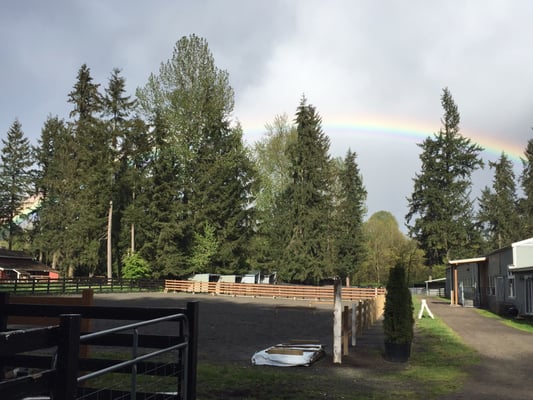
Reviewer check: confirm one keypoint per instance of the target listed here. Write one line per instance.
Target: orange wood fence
(318, 293)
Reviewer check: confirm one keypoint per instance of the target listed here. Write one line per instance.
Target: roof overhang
(467, 261)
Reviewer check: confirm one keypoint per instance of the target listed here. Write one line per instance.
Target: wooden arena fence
(316, 293)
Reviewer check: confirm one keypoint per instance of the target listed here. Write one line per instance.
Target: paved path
(506, 354)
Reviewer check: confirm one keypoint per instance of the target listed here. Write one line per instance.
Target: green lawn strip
(520, 324)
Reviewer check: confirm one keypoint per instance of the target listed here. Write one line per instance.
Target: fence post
(4, 301)
(337, 322)
(67, 358)
(192, 315)
(354, 324)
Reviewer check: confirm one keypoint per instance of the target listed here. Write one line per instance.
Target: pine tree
(440, 204)
(349, 211)
(526, 181)
(16, 179)
(56, 184)
(305, 207)
(93, 177)
(498, 207)
(129, 146)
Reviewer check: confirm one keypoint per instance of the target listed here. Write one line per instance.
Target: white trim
(467, 260)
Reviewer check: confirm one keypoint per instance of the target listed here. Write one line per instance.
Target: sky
(374, 70)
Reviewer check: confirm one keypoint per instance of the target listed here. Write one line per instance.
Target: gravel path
(506, 354)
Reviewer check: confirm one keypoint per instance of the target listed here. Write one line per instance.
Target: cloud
(359, 62)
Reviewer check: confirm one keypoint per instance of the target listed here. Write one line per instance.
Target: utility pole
(109, 222)
(133, 231)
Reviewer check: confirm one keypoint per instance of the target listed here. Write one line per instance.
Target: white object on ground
(289, 355)
(426, 308)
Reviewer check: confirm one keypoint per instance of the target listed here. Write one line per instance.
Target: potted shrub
(398, 317)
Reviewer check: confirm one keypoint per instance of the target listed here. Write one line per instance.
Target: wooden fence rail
(43, 286)
(318, 293)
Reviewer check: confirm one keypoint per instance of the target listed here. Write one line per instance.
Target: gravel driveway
(506, 354)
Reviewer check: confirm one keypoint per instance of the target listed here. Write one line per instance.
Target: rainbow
(373, 129)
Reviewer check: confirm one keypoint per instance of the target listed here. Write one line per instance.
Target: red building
(19, 265)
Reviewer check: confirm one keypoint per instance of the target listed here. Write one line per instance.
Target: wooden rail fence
(317, 293)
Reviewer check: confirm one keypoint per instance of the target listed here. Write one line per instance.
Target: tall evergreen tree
(440, 205)
(214, 174)
(305, 207)
(57, 186)
(16, 179)
(350, 210)
(129, 147)
(526, 181)
(498, 212)
(93, 176)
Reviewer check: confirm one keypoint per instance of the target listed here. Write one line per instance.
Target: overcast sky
(375, 70)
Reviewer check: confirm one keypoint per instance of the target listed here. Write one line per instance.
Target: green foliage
(304, 209)
(498, 207)
(205, 247)
(440, 204)
(525, 209)
(350, 208)
(200, 171)
(398, 319)
(270, 155)
(385, 246)
(135, 267)
(16, 180)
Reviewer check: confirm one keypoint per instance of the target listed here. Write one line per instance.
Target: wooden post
(337, 322)
(4, 301)
(192, 315)
(67, 358)
(354, 324)
(455, 286)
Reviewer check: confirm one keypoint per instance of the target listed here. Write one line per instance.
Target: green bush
(398, 317)
(135, 267)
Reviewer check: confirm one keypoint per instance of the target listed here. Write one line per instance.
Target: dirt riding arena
(232, 329)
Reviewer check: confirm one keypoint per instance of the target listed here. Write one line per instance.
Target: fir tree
(526, 181)
(93, 176)
(57, 186)
(16, 179)
(305, 207)
(440, 205)
(129, 145)
(349, 211)
(498, 207)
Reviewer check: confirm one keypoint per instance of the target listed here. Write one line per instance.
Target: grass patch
(520, 324)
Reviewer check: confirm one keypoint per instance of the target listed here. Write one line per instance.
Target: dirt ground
(232, 329)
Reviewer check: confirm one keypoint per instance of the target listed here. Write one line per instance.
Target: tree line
(166, 177)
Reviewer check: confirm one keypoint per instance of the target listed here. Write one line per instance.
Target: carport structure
(468, 281)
